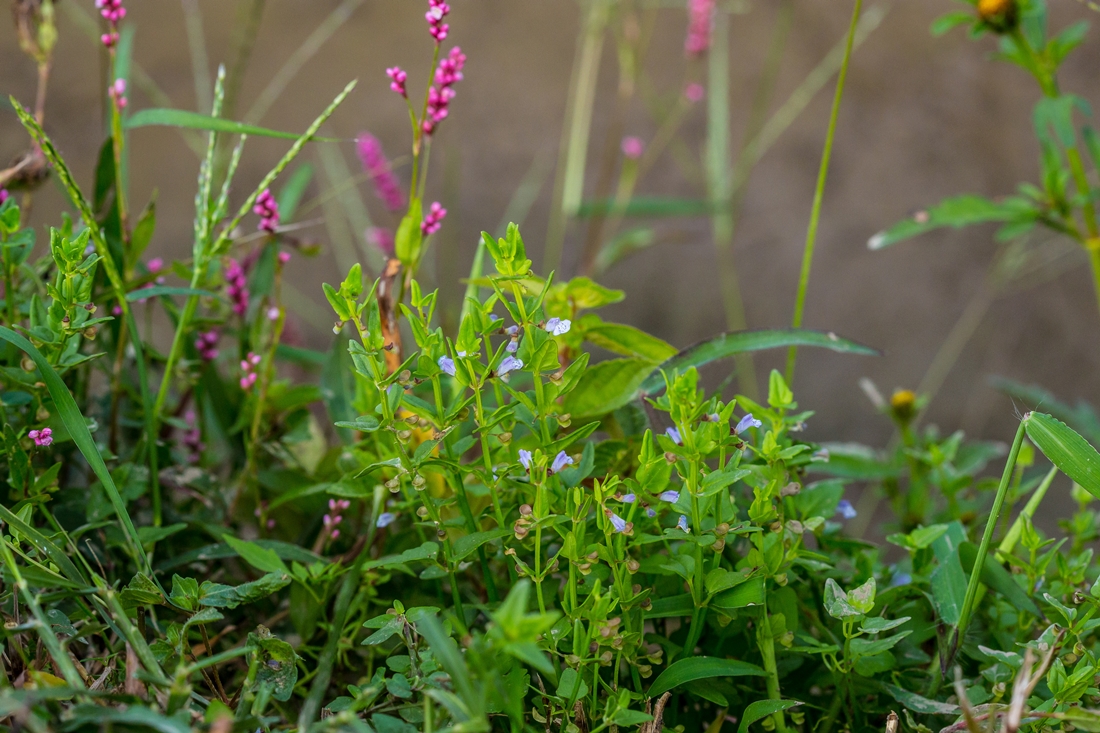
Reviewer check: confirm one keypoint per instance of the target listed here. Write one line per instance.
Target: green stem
(987, 538)
(766, 641)
(819, 192)
(1008, 544)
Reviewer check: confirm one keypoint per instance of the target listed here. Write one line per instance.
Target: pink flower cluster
(207, 345)
(633, 147)
(261, 511)
(237, 287)
(192, 439)
(437, 11)
(41, 438)
(3, 195)
(117, 92)
(382, 239)
(375, 164)
(447, 74)
(248, 366)
(335, 506)
(268, 210)
(433, 220)
(398, 78)
(700, 26)
(113, 12)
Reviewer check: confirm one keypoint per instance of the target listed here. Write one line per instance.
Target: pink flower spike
(268, 210)
(335, 533)
(397, 80)
(41, 438)
(4, 195)
(694, 92)
(377, 166)
(633, 147)
(433, 220)
(700, 26)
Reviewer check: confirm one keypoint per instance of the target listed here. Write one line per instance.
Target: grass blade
(690, 669)
(159, 117)
(1066, 449)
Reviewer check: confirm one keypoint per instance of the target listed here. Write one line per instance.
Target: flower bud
(633, 566)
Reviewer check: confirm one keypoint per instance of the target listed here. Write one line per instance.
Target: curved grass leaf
(1082, 417)
(762, 709)
(956, 212)
(82, 437)
(1066, 449)
(159, 117)
(158, 290)
(690, 669)
(739, 342)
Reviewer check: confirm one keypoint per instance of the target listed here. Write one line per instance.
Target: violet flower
(41, 438)
(558, 326)
(561, 460)
(845, 509)
(433, 220)
(446, 365)
(683, 523)
(268, 210)
(617, 522)
(509, 364)
(670, 496)
(628, 498)
(385, 519)
(377, 166)
(674, 435)
(525, 458)
(748, 421)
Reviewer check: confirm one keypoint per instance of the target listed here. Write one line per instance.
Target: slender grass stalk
(1008, 544)
(200, 60)
(819, 192)
(983, 548)
(569, 186)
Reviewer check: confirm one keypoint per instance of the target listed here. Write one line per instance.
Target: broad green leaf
(749, 593)
(956, 212)
(997, 578)
(863, 598)
(836, 601)
(586, 294)
(878, 625)
(762, 709)
(948, 590)
(426, 551)
(284, 550)
(1066, 449)
(258, 557)
(607, 386)
(277, 668)
(571, 686)
(739, 342)
(463, 546)
(629, 341)
(160, 117)
(78, 429)
(690, 669)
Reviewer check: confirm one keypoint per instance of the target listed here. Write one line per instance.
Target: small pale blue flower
(561, 460)
(674, 435)
(683, 523)
(512, 347)
(509, 364)
(617, 522)
(845, 509)
(650, 512)
(901, 579)
(512, 330)
(385, 519)
(670, 496)
(748, 421)
(494, 317)
(629, 498)
(447, 365)
(558, 326)
(462, 353)
(525, 458)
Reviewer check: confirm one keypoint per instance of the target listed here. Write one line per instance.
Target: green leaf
(159, 290)
(919, 704)
(739, 342)
(78, 428)
(1082, 417)
(409, 237)
(426, 551)
(870, 647)
(762, 709)
(957, 212)
(944, 23)
(749, 593)
(607, 386)
(1066, 449)
(948, 590)
(997, 578)
(879, 624)
(464, 546)
(277, 669)
(160, 117)
(571, 686)
(258, 557)
(290, 195)
(836, 601)
(690, 669)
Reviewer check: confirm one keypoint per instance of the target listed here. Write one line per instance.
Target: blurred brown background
(923, 118)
